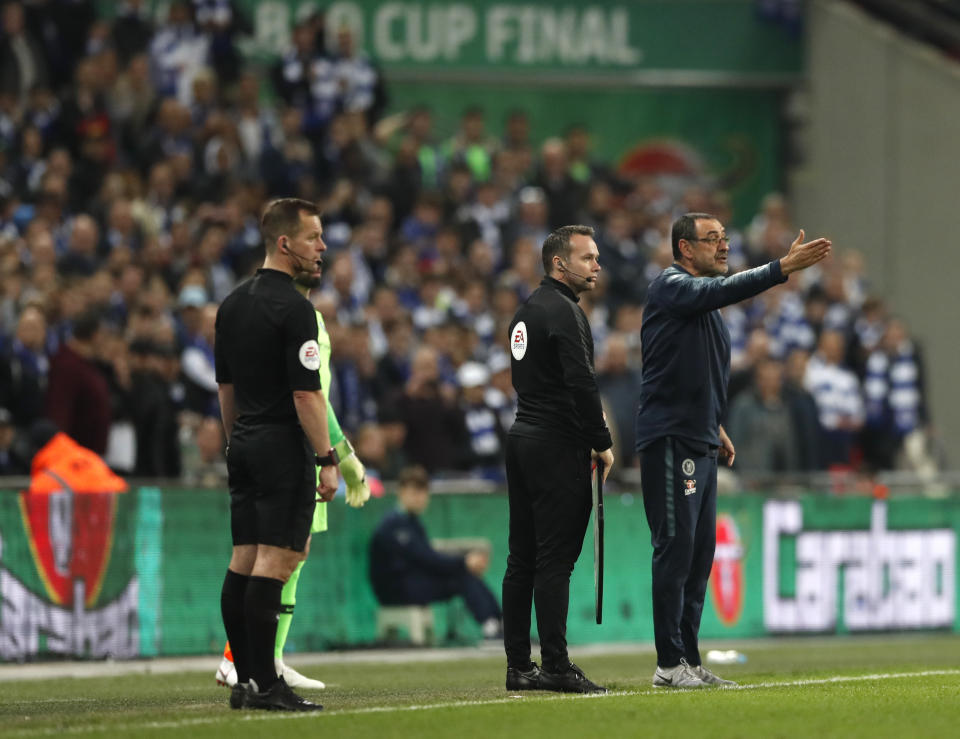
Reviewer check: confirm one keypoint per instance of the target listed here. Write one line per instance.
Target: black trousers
(550, 499)
(679, 483)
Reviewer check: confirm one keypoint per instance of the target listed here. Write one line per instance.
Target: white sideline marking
(538, 697)
(168, 665)
(848, 678)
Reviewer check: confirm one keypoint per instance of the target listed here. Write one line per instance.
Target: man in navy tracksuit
(405, 569)
(686, 366)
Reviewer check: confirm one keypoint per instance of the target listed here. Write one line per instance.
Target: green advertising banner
(625, 39)
(719, 37)
(68, 581)
(139, 573)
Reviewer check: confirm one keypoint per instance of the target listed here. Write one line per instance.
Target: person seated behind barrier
(405, 569)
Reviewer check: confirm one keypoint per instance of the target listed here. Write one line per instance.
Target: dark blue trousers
(679, 482)
(423, 588)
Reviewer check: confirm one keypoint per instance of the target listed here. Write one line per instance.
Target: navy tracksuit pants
(422, 588)
(679, 482)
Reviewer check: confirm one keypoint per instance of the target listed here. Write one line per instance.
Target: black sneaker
(280, 698)
(528, 679)
(238, 695)
(571, 681)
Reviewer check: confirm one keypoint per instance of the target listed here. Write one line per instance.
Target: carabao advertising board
(859, 566)
(138, 573)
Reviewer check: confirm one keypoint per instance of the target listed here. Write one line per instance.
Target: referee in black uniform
(274, 415)
(558, 429)
(683, 397)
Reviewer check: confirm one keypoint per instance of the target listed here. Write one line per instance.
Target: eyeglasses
(714, 240)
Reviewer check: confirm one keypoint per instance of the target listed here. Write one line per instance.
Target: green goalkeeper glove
(354, 475)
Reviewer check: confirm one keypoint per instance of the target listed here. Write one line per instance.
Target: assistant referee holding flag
(558, 430)
(275, 419)
(683, 397)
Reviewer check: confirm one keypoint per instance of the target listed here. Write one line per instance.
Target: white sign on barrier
(30, 625)
(891, 579)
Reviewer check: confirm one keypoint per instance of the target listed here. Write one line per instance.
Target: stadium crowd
(135, 157)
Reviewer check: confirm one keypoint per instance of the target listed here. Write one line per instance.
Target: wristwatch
(332, 457)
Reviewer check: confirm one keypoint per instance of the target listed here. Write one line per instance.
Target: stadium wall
(879, 176)
(139, 574)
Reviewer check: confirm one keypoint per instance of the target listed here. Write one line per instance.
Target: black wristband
(331, 458)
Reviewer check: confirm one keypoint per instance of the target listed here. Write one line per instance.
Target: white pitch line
(167, 665)
(847, 679)
(537, 697)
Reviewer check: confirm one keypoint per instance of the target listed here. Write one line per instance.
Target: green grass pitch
(893, 686)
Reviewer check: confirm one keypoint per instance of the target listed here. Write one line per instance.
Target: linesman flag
(598, 540)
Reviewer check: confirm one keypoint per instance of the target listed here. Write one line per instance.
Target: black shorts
(273, 486)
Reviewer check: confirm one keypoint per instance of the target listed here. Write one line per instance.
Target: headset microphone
(318, 262)
(571, 272)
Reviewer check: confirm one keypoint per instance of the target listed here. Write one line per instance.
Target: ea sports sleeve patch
(301, 349)
(519, 341)
(310, 355)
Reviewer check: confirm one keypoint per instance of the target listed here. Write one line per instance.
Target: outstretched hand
(805, 255)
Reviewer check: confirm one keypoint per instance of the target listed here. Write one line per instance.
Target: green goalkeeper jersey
(336, 433)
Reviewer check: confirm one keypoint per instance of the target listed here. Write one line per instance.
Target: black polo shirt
(552, 363)
(266, 347)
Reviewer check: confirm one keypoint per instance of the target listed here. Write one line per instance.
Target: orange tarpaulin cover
(63, 463)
